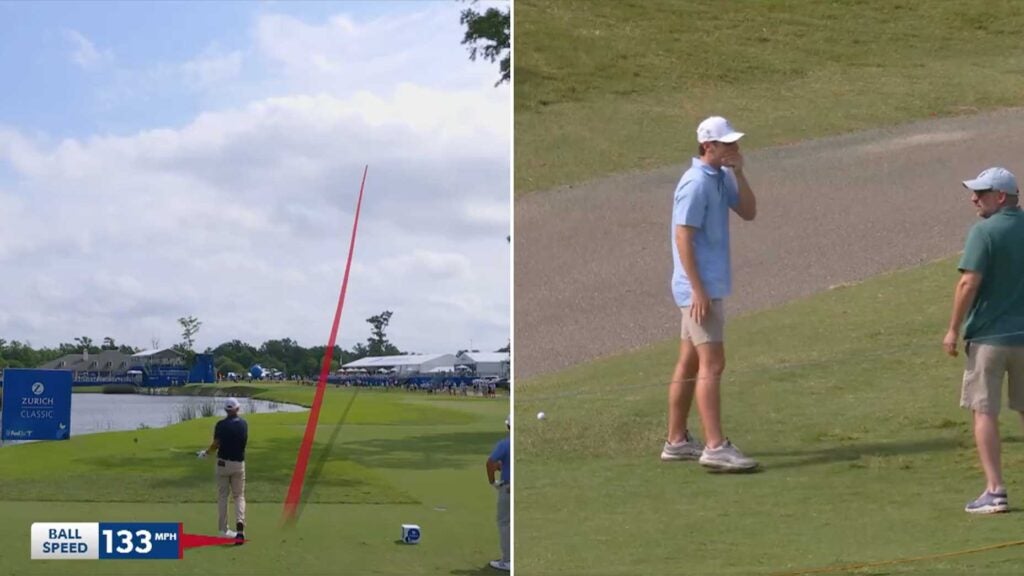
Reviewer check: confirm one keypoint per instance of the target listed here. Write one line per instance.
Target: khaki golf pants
(230, 480)
(504, 521)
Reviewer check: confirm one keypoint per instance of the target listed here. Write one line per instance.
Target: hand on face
(732, 158)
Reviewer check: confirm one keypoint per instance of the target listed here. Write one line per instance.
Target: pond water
(92, 413)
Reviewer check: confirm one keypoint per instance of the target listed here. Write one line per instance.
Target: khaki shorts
(983, 377)
(713, 328)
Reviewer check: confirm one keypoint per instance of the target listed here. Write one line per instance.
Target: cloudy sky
(160, 160)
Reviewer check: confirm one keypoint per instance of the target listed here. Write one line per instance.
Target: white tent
(406, 364)
(488, 363)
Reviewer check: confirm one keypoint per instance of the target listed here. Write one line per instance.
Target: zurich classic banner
(37, 404)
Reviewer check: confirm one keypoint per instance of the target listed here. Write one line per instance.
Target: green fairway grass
(847, 400)
(380, 459)
(607, 87)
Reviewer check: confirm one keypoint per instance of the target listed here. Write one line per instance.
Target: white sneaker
(499, 565)
(688, 449)
(727, 458)
(228, 534)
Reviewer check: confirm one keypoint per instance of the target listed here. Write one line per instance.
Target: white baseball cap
(232, 404)
(994, 178)
(717, 129)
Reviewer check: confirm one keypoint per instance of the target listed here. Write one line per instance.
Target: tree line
(285, 355)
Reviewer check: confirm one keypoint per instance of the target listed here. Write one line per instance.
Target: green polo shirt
(995, 248)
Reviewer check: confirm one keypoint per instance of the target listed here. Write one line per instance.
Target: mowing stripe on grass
(295, 488)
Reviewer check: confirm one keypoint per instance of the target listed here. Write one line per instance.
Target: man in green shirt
(990, 294)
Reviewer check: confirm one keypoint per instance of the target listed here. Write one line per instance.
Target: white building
(487, 363)
(405, 365)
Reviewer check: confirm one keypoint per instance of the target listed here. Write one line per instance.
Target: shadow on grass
(313, 478)
(854, 452)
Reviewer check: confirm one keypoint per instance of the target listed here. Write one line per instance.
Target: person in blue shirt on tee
(501, 459)
(701, 278)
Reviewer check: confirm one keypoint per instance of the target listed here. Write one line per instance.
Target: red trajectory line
(187, 541)
(298, 477)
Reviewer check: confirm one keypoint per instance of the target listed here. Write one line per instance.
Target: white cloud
(344, 54)
(84, 53)
(19, 151)
(212, 69)
(485, 213)
(438, 266)
(242, 218)
(281, 55)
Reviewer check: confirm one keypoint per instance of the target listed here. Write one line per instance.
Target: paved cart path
(593, 261)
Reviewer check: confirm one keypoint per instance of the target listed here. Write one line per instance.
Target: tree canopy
(488, 35)
(235, 356)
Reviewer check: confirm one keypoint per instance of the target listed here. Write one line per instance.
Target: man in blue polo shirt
(501, 459)
(230, 436)
(701, 279)
(990, 295)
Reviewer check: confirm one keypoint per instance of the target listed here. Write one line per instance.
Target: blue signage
(37, 404)
(140, 541)
(110, 541)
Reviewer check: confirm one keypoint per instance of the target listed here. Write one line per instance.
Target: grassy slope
(396, 458)
(847, 400)
(606, 87)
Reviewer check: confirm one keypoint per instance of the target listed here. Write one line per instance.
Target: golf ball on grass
(541, 416)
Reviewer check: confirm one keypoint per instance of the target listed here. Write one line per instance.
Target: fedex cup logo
(38, 388)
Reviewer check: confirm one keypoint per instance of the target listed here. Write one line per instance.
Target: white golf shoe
(726, 458)
(689, 449)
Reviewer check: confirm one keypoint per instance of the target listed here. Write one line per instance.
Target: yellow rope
(849, 567)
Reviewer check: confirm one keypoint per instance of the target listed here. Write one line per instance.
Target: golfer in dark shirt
(229, 439)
